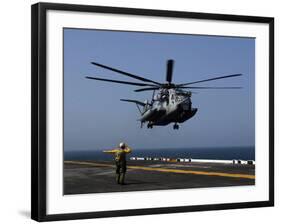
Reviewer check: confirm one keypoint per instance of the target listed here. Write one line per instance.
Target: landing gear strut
(176, 126)
(149, 125)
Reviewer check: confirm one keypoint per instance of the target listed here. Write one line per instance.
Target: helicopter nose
(185, 104)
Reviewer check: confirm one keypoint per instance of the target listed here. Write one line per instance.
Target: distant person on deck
(120, 161)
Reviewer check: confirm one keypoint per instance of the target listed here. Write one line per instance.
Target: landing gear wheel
(149, 125)
(176, 126)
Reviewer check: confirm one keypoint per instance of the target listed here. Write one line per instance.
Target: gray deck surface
(81, 177)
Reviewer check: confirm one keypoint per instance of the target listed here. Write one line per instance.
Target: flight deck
(82, 177)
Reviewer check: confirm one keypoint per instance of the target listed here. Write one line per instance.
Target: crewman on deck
(120, 161)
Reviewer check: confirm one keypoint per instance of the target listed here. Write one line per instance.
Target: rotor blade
(147, 89)
(121, 82)
(206, 80)
(199, 87)
(125, 73)
(169, 74)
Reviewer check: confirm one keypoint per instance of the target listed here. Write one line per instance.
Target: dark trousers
(121, 169)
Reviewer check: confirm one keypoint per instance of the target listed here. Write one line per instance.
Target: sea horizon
(219, 153)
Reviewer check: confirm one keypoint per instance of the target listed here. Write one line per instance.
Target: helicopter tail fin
(134, 101)
(138, 104)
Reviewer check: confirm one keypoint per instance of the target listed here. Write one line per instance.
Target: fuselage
(168, 107)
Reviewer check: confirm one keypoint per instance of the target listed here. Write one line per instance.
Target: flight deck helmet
(122, 145)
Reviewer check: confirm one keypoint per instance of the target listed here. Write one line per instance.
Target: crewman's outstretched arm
(110, 151)
(128, 149)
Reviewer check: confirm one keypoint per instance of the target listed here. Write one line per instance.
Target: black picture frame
(39, 122)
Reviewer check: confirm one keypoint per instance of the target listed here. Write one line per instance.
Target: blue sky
(96, 119)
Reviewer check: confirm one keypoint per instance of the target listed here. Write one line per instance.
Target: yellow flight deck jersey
(120, 154)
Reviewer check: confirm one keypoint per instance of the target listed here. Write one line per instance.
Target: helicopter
(170, 102)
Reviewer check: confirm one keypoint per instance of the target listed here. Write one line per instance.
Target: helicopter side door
(172, 102)
(172, 98)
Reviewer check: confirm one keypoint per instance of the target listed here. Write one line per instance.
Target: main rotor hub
(168, 85)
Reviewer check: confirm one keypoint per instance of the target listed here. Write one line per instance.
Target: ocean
(225, 153)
